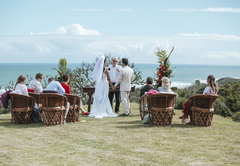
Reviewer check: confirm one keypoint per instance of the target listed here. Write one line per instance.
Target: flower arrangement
(164, 69)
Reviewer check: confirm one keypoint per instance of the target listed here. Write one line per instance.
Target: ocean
(184, 75)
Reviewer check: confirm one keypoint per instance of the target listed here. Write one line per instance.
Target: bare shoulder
(106, 70)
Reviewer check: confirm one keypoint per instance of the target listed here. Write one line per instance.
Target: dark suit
(117, 97)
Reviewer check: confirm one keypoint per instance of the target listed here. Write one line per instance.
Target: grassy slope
(120, 141)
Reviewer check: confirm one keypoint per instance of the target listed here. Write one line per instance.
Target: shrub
(180, 101)
(221, 109)
(236, 117)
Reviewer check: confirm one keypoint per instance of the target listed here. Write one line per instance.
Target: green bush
(5, 111)
(236, 117)
(221, 109)
(180, 101)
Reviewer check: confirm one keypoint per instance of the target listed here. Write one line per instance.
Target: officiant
(114, 71)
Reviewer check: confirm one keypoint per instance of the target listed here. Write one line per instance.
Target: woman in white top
(20, 88)
(211, 88)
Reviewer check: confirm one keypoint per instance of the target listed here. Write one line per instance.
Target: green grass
(120, 141)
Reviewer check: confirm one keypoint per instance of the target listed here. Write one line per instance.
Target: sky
(201, 31)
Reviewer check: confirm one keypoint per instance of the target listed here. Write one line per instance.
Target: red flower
(164, 68)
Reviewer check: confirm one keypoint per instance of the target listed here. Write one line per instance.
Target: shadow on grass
(7, 123)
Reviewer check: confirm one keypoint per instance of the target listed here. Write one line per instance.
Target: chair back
(161, 100)
(36, 96)
(53, 100)
(21, 101)
(73, 99)
(161, 108)
(21, 108)
(202, 109)
(203, 101)
(143, 108)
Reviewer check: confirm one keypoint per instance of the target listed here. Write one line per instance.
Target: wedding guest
(212, 88)
(147, 87)
(114, 71)
(164, 89)
(55, 86)
(20, 88)
(66, 79)
(165, 86)
(35, 84)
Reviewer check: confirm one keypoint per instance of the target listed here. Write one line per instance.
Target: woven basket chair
(202, 109)
(36, 96)
(143, 108)
(53, 108)
(21, 108)
(73, 112)
(161, 107)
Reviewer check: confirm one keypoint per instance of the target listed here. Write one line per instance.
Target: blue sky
(202, 32)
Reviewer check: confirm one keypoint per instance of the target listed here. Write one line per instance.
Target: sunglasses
(114, 61)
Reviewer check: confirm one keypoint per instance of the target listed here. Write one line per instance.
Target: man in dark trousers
(114, 74)
(147, 87)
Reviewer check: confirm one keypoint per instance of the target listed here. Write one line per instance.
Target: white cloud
(233, 10)
(139, 49)
(31, 33)
(211, 36)
(73, 29)
(211, 9)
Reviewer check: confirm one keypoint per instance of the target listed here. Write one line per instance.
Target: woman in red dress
(66, 79)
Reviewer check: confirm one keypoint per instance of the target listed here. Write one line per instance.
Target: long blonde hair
(21, 78)
(165, 83)
(213, 84)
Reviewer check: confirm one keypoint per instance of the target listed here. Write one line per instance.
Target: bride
(101, 104)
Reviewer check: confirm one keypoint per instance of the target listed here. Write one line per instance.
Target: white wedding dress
(101, 105)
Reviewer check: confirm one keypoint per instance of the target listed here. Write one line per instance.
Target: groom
(125, 77)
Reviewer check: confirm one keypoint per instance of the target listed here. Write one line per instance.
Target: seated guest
(164, 89)
(65, 82)
(211, 88)
(20, 88)
(54, 86)
(35, 84)
(147, 87)
(165, 86)
(66, 79)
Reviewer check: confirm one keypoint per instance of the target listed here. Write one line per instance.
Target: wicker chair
(143, 108)
(161, 107)
(53, 108)
(202, 109)
(21, 108)
(36, 96)
(73, 112)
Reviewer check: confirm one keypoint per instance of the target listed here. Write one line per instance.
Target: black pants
(117, 97)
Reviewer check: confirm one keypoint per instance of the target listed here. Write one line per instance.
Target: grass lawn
(120, 141)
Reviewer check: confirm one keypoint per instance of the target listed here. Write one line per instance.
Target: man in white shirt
(114, 71)
(35, 84)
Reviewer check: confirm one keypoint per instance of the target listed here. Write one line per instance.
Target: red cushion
(30, 90)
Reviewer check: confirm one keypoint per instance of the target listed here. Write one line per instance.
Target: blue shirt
(55, 86)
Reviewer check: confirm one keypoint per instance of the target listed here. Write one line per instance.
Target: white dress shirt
(113, 73)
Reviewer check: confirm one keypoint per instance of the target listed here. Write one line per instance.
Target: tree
(62, 69)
